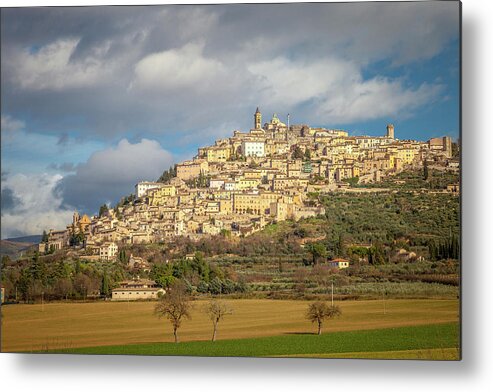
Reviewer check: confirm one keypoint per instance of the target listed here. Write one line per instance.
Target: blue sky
(95, 99)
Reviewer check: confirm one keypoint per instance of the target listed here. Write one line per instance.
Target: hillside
(12, 247)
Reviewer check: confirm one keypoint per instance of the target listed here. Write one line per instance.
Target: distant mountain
(33, 239)
(13, 247)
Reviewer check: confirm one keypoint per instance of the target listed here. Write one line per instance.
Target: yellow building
(218, 154)
(345, 171)
(191, 169)
(244, 203)
(252, 174)
(193, 226)
(226, 206)
(261, 203)
(247, 183)
(282, 211)
(282, 183)
(370, 165)
(406, 155)
(212, 207)
(159, 197)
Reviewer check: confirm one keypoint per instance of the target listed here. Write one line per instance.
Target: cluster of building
(242, 183)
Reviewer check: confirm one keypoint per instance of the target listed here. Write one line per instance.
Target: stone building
(137, 289)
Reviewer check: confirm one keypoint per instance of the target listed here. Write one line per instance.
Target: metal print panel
(262, 180)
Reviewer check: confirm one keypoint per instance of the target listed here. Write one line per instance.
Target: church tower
(258, 119)
(390, 131)
(75, 218)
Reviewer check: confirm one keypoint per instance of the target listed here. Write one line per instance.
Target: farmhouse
(132, 290)
(339, 263)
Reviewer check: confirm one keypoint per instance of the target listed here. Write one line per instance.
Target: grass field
(73, 325)
(435, 341)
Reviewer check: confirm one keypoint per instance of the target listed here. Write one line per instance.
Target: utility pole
(332, 295)
(383, 299)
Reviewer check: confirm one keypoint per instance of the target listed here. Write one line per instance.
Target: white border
(473, 373)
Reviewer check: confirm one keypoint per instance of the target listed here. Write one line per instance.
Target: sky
(94, 99)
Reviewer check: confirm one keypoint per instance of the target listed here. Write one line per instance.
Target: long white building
(142, 187)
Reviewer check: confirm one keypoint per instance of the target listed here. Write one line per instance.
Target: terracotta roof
(338, 260)
(138, 289)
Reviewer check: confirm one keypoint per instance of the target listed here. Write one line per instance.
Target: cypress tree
(105, 285)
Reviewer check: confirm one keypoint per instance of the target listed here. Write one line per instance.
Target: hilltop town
(247, 181)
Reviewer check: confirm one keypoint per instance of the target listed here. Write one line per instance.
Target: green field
(420, 340)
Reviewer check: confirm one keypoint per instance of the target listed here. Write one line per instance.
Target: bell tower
(76, 218)
(390, 131)
(258, 119)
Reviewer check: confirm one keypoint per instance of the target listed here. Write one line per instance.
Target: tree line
(197, 275)
(34, 279)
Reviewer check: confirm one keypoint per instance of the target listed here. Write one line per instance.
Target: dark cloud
(9, 201)
(63, 139)
(110, 174)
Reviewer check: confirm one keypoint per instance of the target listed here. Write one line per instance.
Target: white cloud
(177, 68)
(334, 90)
(37, 205)
(51, 66)
(375, 98)
(285, 82)
(11, 125)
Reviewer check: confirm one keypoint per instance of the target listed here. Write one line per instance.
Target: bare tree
(299, 277)
(174, 305)
(319, 311)
(64, 287)
(216, 311)
(321, 275)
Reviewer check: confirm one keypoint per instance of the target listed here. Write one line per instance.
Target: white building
(339, 263)
(141, 188)
(216, 183)
(138, 289)
(368, 142)
(230, 185)
(108, 251)
(253, 148)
